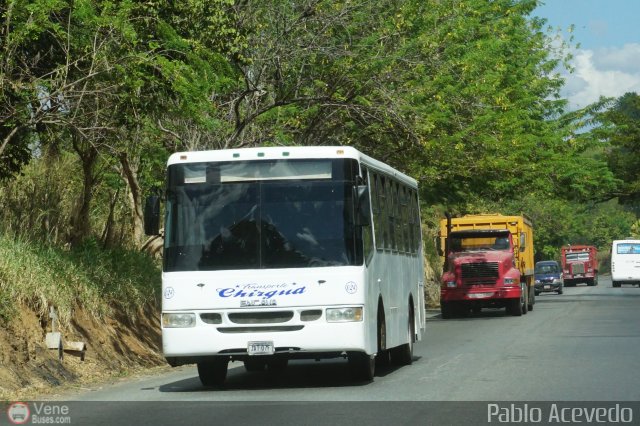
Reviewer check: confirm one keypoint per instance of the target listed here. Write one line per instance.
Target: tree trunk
(80, 224)
(130, 174)
(108, 232)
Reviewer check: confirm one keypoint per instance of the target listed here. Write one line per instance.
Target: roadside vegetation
(88, 277)
(464, 96)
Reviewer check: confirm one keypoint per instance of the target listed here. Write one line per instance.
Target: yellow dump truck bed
(521, 229)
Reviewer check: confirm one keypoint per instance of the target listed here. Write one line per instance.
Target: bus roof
(287, 152)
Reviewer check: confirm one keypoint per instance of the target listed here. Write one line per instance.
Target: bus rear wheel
(403, 354)
(213, 372)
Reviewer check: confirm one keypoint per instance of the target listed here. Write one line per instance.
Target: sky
(607, 63)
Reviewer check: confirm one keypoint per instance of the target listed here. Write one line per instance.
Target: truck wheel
(615, 283)
(514, 307)
(213, 373)
(532, 299)
(525, 301)
(446, 309)
(362, 366)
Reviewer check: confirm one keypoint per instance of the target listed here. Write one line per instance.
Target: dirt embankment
(115, 346)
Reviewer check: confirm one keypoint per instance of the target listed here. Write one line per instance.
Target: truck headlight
(178, 320)
(344, 314)
(509, 281)
(450, 284)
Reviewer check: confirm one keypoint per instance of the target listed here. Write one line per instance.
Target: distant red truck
(579, 265)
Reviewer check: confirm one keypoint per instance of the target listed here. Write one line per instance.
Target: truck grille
(577, 268)
(481, 273)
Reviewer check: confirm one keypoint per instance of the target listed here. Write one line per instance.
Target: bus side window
(406, 227)
(384, 213)
(415, 216)
(367, 231)
(389, 214)
(377, 216)
(397, 207)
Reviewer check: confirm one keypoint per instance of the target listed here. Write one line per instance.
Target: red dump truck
(579, 265)
(488, 263)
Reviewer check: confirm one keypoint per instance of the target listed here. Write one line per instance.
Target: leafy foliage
(462, 95)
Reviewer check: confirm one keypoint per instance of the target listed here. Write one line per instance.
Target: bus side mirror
(363, 212)
(152, 215)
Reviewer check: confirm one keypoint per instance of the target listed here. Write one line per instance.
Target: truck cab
(579, 265)
(481, 272)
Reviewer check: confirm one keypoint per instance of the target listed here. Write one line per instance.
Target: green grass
(88, 277)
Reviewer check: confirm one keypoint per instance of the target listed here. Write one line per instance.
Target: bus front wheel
(254, 364)
(362, 365)
(213, 372)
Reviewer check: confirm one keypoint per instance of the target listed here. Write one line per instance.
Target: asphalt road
(583, 345)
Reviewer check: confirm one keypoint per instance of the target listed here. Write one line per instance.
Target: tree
(622, 131)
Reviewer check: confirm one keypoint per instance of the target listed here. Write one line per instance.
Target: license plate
(260, 348)
(479, 295)
(547, 287)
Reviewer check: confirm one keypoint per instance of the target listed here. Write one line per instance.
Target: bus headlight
(178, 320)
(344, 314)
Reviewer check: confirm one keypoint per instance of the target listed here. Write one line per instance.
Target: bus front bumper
(298, 340)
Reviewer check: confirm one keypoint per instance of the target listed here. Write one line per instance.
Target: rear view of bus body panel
(625, 262)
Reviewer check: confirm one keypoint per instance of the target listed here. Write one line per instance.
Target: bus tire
(277, 363)
(254, 364)
(214, 372)
(383, 357)
(362, 365)
(403, 354)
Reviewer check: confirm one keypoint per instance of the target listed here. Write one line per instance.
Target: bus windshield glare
(261, 214)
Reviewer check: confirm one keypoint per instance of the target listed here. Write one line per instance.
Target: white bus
(277, 253)
(625, 262)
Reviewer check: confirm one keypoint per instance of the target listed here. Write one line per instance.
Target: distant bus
(625, 262)
(272, 254)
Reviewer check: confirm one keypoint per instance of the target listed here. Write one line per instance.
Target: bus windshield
(628, 248)
(253, 215)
